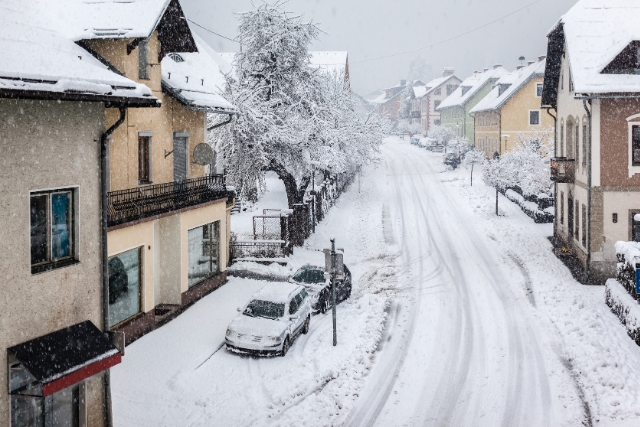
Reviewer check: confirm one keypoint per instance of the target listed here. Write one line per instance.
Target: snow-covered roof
(95, 19)
(596, 31)
(470, 86)
(277, 292)
(421, 91)
(196, 79)
(37, 59)
(511, 84)
(332, 62)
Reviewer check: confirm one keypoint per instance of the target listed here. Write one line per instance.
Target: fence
(258, 249)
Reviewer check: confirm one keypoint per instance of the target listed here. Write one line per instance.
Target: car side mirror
(293, 317)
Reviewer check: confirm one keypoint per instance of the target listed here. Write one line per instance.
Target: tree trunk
(295, 193)
(472, 174)
(497, 201)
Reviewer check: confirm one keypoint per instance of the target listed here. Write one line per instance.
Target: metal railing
(258, 249)
(137, 203)
(563, 170)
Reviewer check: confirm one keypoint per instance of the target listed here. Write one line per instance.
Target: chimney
(403, 82)
(519, 67)
(446, 72)
(542, 58)
(475, 72)
(485, 70)
(495, 67)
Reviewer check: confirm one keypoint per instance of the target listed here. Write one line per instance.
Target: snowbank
(625, 307)
(630, 251)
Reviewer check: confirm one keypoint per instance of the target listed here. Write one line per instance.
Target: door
(179, 159)
(570, 218)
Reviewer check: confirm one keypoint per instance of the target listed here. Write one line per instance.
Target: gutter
(584, 103)
(104, 141)
(177, 94)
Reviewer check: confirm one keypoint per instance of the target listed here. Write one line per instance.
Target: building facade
(454, 110)
(429, 97)
(596, 100)
(511, 112)
(52, 122)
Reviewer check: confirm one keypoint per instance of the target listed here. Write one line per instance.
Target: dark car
(319, 288)
(452, 159)
(118, 279)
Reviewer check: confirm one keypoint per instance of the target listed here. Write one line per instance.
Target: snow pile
(630, 251)
(273, 269)
(625, 307)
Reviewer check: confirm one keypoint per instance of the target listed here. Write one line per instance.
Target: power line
(450, 39)
(212, 32)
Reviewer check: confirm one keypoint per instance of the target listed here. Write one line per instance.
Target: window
(561, 207)
(577, 143)
(584, 145)
(539, 87)
(203, 250)
(61, 409)
(143, 60)
(144, 158)
(534, 117)
(570, 83)
(436, 104)
(451, 89)
(584, 226)
(437, 122)
(562, 150)
(562, 80)
(294, 305)
(125, 275)
(437, 91)
(635, 226)
(52, 229)
(635, 146)
(577, 211)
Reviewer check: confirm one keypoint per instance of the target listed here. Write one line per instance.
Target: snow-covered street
(457, 318)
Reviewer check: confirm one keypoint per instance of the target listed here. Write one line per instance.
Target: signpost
(334, 268)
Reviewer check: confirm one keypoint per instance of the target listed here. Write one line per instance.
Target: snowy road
(457, 318)
(465, 349)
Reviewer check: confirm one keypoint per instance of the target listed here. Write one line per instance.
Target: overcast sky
(372, 28)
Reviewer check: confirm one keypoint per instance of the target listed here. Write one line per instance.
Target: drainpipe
(584, 103)
(210, 128)
(555, 154)
(104, 141)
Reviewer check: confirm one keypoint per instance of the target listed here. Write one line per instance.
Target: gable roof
(512, 83)
(594, 33)
(40, 63)
(470, 86)
(421, 91)
(196, 79)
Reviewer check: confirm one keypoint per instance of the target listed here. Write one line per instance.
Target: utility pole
(333, 289)
(313, 193)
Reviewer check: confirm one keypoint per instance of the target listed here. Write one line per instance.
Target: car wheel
(305, 327)
(285, 347)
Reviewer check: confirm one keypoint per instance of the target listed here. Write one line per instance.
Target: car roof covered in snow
(512, 83)
(470, 86)
(39, 62)
(196, 78)
(277, 292)
(596, 32)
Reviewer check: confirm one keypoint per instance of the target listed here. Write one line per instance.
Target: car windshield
(266, 309)
(308, 275)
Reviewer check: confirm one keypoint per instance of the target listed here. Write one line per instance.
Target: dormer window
(502, 88)
(176, 57)
(465, 89)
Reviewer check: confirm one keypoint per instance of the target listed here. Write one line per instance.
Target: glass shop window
(52, 229)
(204, 250)
(125, 278)
(61, 409)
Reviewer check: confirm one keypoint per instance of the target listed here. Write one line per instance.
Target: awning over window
(50, 363)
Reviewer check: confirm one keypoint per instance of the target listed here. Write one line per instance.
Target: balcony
(142, 202)
(563, 170)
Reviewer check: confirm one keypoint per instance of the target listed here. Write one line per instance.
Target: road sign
(339, 264)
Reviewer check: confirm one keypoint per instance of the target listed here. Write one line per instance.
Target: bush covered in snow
(625, 307)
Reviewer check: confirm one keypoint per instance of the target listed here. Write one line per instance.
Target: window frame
(632, 122)
(562, 208)
(218, 268)
(148, 136)
(538, 85)
(539, 118)
(140, 249)
(632, 213)
(584, 142)
(72, 258)
(576, 220)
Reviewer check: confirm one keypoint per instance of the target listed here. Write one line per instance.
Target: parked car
(319, 288)
(270, 322)
(452, 159)
(118, 279)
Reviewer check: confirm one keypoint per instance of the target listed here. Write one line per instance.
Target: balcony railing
(142, 202)
(563, 170)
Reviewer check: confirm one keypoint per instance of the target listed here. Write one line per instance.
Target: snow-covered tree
(528, 161)
(458, 144)
(499, 175)
(471, 158)
(441, 134)
(291, 115)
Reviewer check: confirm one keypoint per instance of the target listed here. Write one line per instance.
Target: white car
(270, 322)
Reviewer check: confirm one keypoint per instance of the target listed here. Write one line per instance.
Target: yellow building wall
(139, 235)
(515, 116)
(196, 218)
(162, 122)
(487, 132)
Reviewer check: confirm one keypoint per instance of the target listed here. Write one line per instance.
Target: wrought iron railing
(258, 249)
(563, 170)
(141, 202)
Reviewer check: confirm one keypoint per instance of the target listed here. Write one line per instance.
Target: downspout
(210, 128)
(584, 103)
(104, 141)
(555, 154)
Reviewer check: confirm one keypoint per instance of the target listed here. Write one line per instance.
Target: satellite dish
(203, 154)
